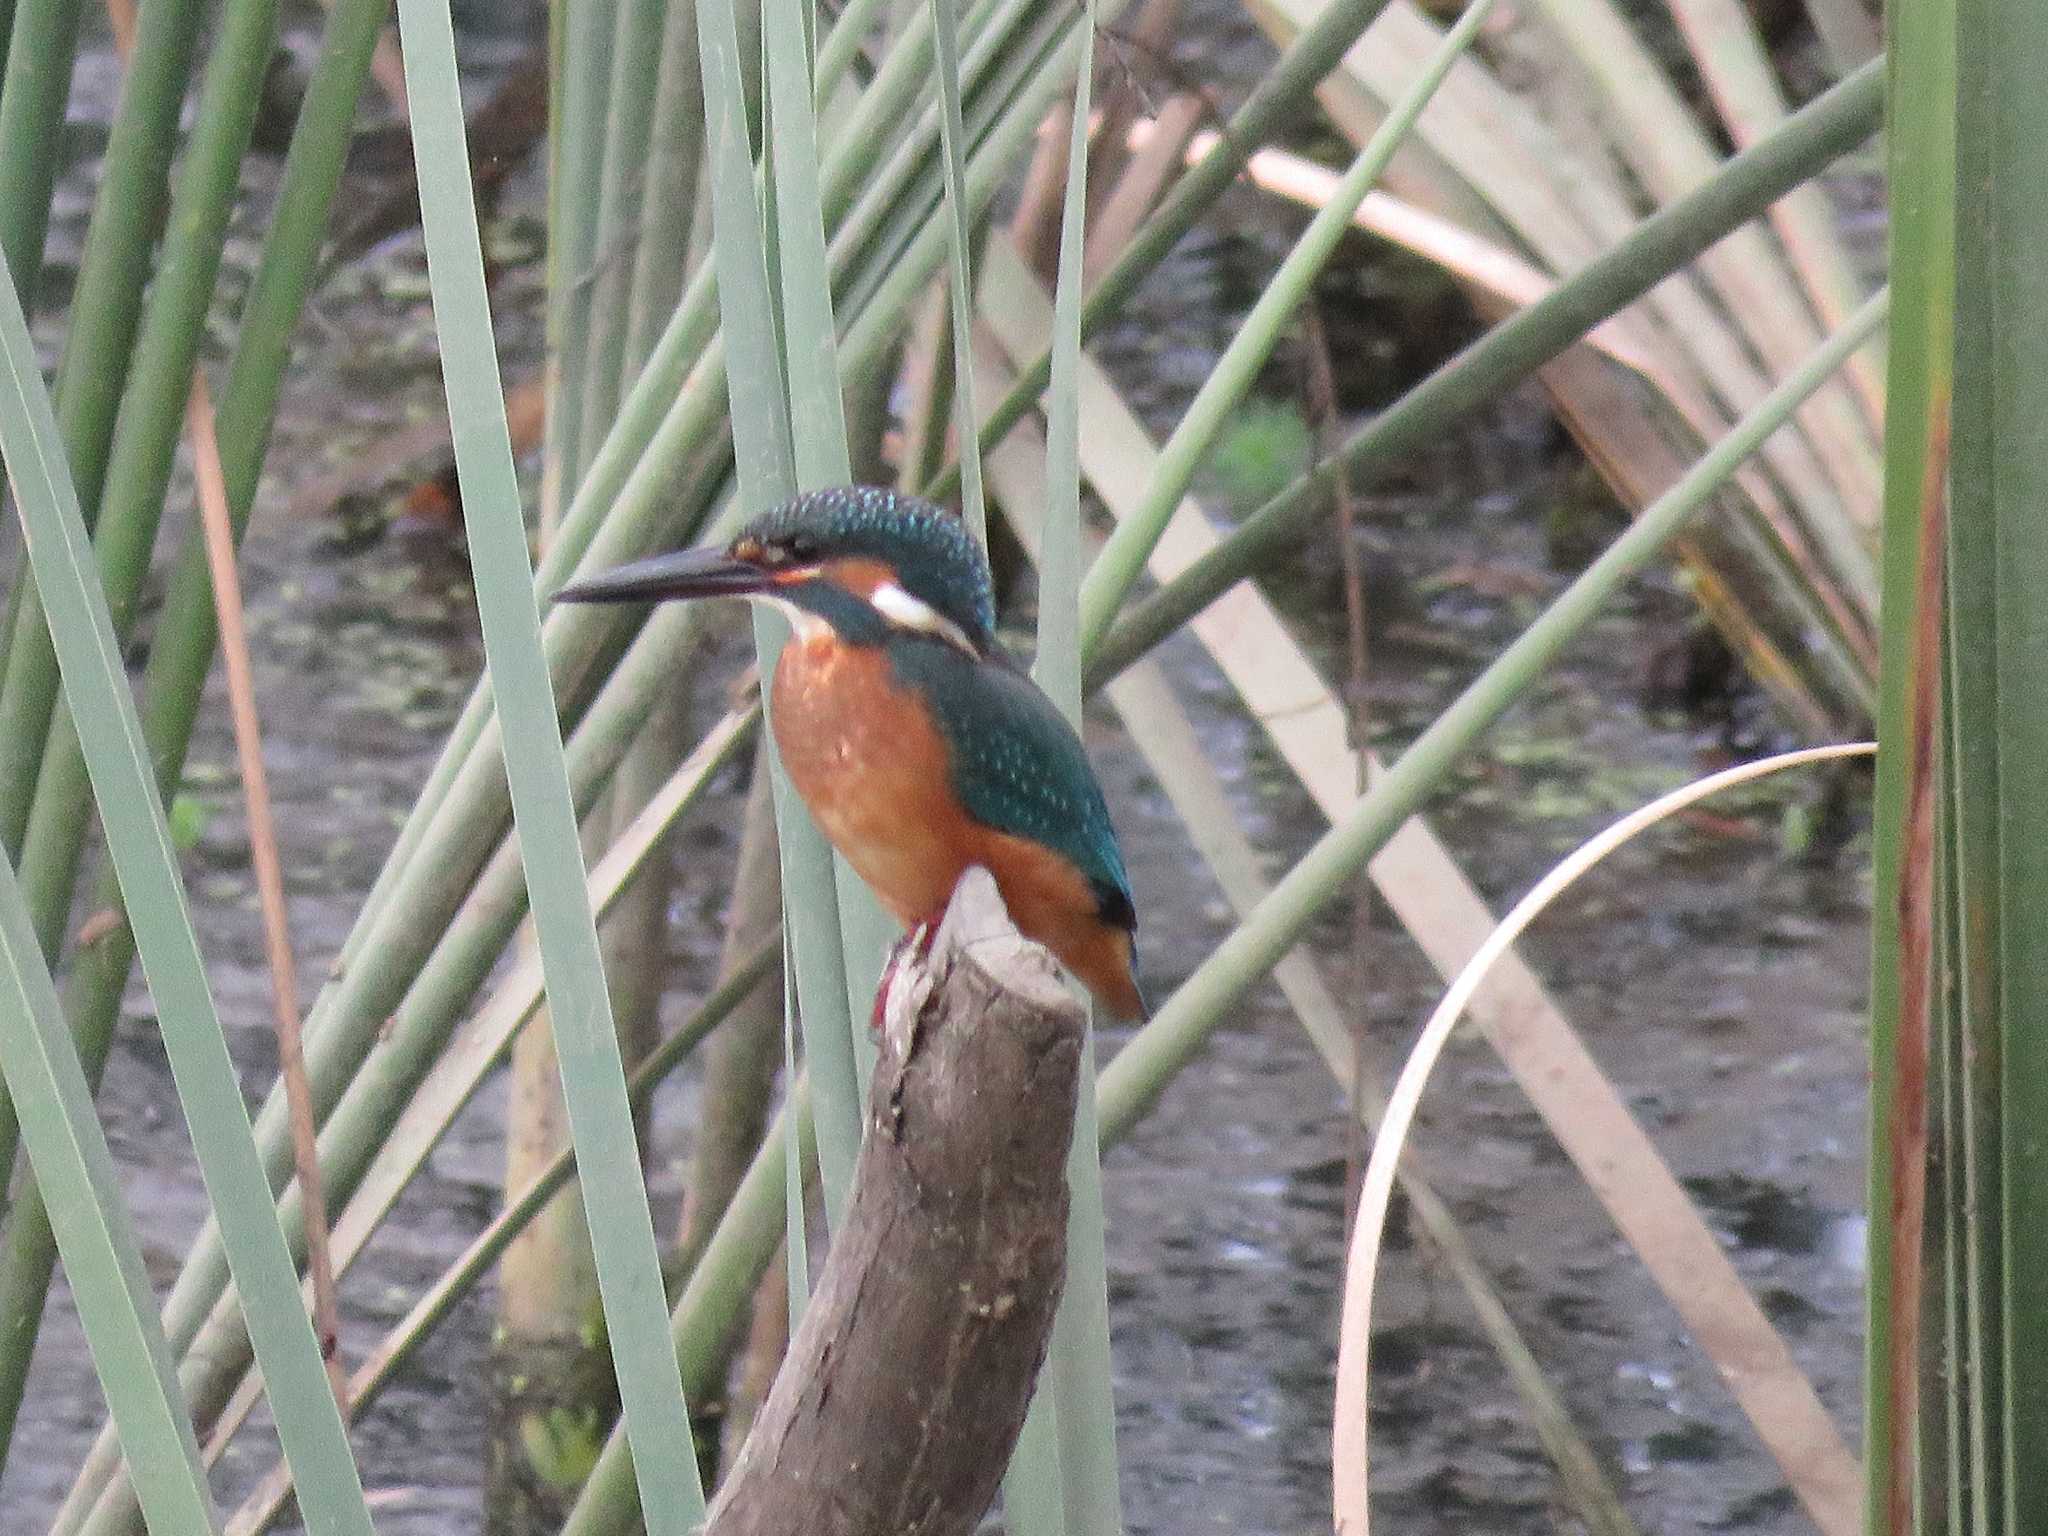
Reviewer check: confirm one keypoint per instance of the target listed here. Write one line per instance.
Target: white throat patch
(806, 624)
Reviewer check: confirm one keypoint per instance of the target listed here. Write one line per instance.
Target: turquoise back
(1017, 765)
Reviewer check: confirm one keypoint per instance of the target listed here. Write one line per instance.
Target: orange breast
(873, 771)
(877, 777)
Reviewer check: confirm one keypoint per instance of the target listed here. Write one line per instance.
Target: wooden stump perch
(905, 1387)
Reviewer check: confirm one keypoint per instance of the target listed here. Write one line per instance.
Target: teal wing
(1017, 765)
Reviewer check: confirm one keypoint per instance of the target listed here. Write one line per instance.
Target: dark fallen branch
(905, 1387)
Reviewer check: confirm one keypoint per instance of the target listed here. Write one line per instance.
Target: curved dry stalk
(1166, 739)
(1348, 1437)
(1448, 920)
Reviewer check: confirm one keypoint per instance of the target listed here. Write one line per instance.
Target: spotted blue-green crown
(933, 555)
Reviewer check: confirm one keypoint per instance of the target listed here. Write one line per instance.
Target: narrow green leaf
(580, 70)
(593, 1078)
(95, 687)
(1997, 479)
(1272, 106)
(102, 1257)
(1231, 379)
(1659, 246)
(1147, 1062)
(764, 454)
(1078, 1368)
(1034, 1485)
(960, 290)
(1057, 665)
(262, 1508)
(795, 1225)
(668, 201)
(1922, 376)
(816, 409)
(625, 218)
(817, 413)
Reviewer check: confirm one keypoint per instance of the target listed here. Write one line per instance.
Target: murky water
(1717, 977)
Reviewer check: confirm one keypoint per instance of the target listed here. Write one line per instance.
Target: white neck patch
(806, 624)
(907, 612)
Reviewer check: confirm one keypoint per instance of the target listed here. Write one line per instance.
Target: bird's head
(868, 562)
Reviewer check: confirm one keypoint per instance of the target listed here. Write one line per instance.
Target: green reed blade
(1231, 379)
(764, 453)
(1660, 245)
(593, 1078)
(1920, 379)
(102, 1256)
(960, 290)
(817, 414)
(95, 687)
(1077, 1375)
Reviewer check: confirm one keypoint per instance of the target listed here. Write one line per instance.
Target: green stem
(581, 70)
(32, 96)
(1149, 1060)
(960, 290)
(186, 633)
(1659, 246)
(151, 415)
(106, 303)
(1272, 106)
(668, 200)
(1110, 578)
(624, 210)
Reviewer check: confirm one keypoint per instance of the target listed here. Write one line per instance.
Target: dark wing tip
(1114, 906)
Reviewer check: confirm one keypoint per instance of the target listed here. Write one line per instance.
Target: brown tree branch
(905, 1386)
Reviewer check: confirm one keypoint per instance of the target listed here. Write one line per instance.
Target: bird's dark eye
(798, 549)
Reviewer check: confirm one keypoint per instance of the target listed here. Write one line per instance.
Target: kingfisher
(919, 744)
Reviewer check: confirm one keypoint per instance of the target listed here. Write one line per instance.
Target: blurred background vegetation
(1443, 427)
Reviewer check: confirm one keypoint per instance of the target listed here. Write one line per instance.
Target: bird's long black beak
(686, 573)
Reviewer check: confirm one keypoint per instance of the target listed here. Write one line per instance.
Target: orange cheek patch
(862, 577)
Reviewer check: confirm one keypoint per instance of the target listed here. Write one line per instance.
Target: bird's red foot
(916, 946)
